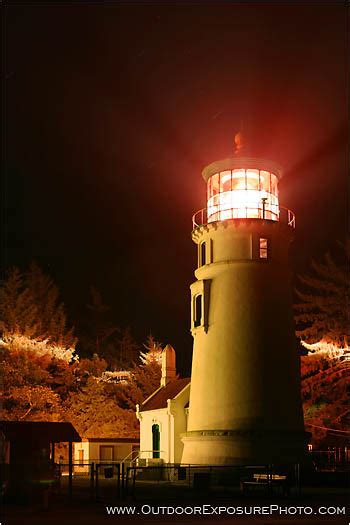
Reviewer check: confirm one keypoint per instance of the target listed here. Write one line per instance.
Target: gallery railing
(222, 213)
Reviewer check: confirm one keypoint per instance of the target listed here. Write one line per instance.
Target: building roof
(160, 397)
(44, 431)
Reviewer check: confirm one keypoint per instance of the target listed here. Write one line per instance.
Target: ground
(83, 511)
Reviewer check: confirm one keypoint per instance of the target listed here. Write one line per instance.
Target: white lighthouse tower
(245, 404)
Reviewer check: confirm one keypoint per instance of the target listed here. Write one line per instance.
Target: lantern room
(242, 187)
(242, 193)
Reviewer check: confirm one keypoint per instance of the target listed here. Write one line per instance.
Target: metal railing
(132, 457)
(151, 454)
(202, 477)
(108, 481)
(282, 214)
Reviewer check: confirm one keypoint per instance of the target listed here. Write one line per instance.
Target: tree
(34, 382)
(35, 403)
(323, 310)
(30, 307)
(19, 368)
(51, 313)
(145, 378)
(18, 312)
(101, 326)
(119, 349)
(127, 350)
(154, 351)
(38, 346)
(98, 333)
(95, 412)
(325, 393)
(323, 325)
(94, 366)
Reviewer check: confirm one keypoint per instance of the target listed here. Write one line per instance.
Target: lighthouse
(245, 404)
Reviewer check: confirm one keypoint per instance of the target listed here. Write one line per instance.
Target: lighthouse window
(202, 254)
(263, 248)
(197, 310)
(242, 193)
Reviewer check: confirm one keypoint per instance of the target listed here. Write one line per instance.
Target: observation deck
(207, 216)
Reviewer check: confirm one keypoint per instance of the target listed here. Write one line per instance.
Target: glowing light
(242, 193)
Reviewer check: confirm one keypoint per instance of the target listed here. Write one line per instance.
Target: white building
(163, 416)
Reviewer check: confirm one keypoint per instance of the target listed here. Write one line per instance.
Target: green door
(155, 441)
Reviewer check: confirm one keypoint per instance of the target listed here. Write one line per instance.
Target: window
(238, 193)
(200, 298)
(155, 441)
(81, 457)
(202, 254)
(263, 248)
(197, 310)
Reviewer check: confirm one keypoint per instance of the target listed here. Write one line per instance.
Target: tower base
(243, 447)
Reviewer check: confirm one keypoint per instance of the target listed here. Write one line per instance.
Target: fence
(91, 480)
(201, 479)
(108, 481)
(334, 458)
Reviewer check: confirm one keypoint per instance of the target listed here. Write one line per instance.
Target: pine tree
(128, 349)
(325, 394)
(51, 313)
(97, 331)
(144, 380)
(323, 312)
(95, 412)
(18, 311)
(119, 349)
(102, 326)
(154, 351)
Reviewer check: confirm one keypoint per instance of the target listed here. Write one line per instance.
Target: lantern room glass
(243, 193)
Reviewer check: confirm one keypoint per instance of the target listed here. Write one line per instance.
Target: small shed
(28, 452)
(112, 449)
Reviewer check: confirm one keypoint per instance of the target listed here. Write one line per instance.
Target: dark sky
(111, 113)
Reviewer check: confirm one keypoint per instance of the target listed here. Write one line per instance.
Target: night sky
(112, 111)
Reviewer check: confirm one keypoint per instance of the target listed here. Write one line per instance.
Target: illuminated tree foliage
(31, 388)
(106, 408)
(40, 387)
(30, 306)
(42, 378)
(38, 346)
(95, 366)
(323, 310)
(144, 380)
(37, 403)
(95, 412)
(154, 351)
(325, 394)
